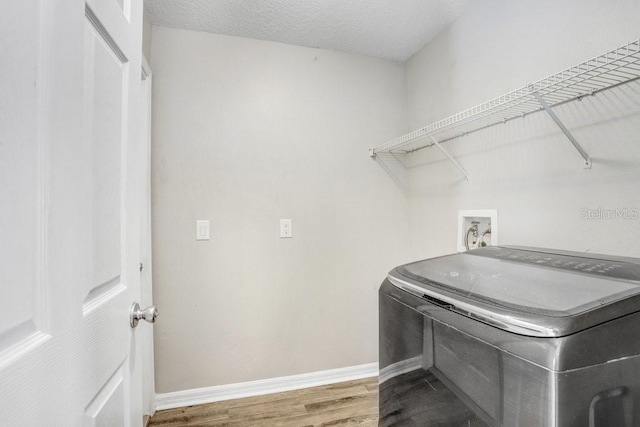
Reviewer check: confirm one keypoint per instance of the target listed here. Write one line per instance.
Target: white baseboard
(199, 396)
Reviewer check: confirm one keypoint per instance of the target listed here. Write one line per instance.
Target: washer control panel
(610, 269)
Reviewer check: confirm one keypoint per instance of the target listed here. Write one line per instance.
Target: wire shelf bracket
(446, 153)
(611, 69)
(563, 128)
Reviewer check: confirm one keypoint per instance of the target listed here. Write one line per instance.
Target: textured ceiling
(388, 29)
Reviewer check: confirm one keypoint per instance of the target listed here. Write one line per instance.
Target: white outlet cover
(486, 216)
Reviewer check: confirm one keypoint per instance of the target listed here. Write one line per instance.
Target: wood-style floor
(343, 404)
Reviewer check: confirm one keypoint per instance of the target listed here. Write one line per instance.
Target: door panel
(115, 17)
(20, 174)
(106, 95)
(105, 90)
(70, 244)
(107, 409)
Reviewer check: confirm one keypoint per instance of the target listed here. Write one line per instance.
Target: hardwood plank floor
(342, 404)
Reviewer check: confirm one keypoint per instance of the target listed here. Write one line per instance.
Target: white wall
(527, 169)
(247, 132)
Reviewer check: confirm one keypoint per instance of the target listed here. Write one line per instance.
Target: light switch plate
(202, 230)
(286, 232)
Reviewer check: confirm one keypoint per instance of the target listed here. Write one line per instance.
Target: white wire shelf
(614, 68)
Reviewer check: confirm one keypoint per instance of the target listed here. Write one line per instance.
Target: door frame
(146, 277)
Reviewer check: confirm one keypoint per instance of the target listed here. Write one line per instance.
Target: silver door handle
(149, 314)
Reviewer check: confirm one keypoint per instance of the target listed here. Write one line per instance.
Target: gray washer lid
(530, 291)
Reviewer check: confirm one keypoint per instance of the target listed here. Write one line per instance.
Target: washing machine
(511, 336)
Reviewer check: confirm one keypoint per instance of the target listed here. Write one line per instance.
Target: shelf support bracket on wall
(568, 134)
(437, 144)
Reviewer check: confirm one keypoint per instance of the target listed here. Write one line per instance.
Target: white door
(69, 217)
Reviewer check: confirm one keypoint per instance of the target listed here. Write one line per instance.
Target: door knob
(149, 314)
